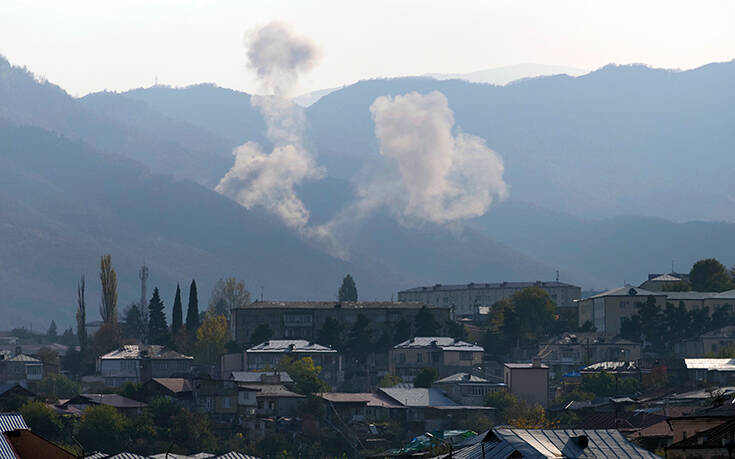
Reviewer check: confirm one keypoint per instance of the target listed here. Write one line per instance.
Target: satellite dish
(632, 292)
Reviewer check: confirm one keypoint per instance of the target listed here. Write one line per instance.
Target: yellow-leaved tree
(211, 338)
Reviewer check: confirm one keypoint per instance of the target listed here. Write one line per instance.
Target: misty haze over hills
(132, 174)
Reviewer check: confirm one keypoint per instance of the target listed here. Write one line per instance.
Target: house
(430, 410)
(357, 407)
(688, 425)
(9, 422)
(268, 355)
(305, 319)
(29, 445)
(217, 398)
(570, 351)
(124, 405)
(138, 363)
(504, 442)
(528, 381)
(467, 389)
(709, 343)
(718, 372)
(178, 389)
(606, 310)
(13, 396)
(467, 298)
(20, 369)
(446, 355)
(274, 400)
(717, 442)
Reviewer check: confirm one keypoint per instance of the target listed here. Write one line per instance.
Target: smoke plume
(434, 175)
(257, 178)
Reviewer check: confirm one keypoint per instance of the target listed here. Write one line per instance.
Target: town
(445, 371)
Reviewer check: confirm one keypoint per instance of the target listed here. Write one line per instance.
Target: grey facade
(304, 319)
(467, 298)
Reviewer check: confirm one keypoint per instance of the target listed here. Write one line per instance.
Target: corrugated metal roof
(150, 351)
(114, 400)
(710, 364)
(290, 345)
(462, 377)
(175, 385)
(417, 396)
(628, 290)
(727, 295)
(531, 443)
(97, 455)
(8, 422)
(257, 376)
(235, 455)
(444, 343)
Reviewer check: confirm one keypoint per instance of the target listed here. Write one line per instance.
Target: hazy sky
(87, 46)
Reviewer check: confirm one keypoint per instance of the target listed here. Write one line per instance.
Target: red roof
(175, 385)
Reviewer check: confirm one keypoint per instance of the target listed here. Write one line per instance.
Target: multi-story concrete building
(446, 355)
(268, 356)
(466, 299)
(606, 310)
(305, 319)
(139, 363)
(467, 389)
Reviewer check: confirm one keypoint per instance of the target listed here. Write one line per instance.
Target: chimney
(536, 362)
(582, 441)
(17, 350)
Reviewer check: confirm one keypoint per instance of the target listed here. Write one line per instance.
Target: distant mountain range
(132, 174)
(503, 75)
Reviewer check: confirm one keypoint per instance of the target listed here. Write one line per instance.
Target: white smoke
(435, 176)
(257, 178)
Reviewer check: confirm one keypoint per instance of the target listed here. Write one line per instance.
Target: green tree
(176, 313)
(130, 390)
(81, 316)
(262, 333)
(193, 432)
(710, 275)
(426, 324)
(360, 339)
(192, 311)
(389, 380)
(41, 419)
(52, 334)
(305, 375)
(107, 338)
(134, 327)
(212, 338)
(102, 428)
(228, 294)
(157, 328)
(535, 313)
(426, 377)
(108, 279)
(55, 386)
(456, 330)
(348, 290)
(401, 331)
(331, 334)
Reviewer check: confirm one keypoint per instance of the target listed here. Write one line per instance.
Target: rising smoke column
(278, 57)
(434, 175)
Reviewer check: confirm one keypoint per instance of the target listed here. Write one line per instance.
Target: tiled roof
(8, 422)
(442, 342)
(257, 376)
(175, 385)
(334, 304)
(289, 345)
(151, 351)
(417, 396)
(491, 285)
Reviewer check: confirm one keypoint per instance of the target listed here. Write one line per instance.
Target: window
(435, 356)
(227, 402)
(465, 356)
(419, 357)
(402, 357)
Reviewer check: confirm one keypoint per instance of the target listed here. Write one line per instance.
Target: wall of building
(529, 384)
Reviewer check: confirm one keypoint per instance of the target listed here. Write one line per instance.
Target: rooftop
(369, 399)
(290, 345)
(24, 358)
(710, 364)
(8, 422)
(683, 296)
(492, 285)
(441, 342)
(417, 396)
(147, 351)
(114, 400)
(271, 390)
(727, 295)
(628, 290)
(622, 366)
(462, 377)
(665, 278)
(175, 385)
(336, 304)
(258, 376)
(504, 442)
(716, 438)
(586, 338)
(525, 365)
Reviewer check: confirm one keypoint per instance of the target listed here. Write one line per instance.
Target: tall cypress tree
(176, 314)
(157, 328)
(192, 312)
(348, 290)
